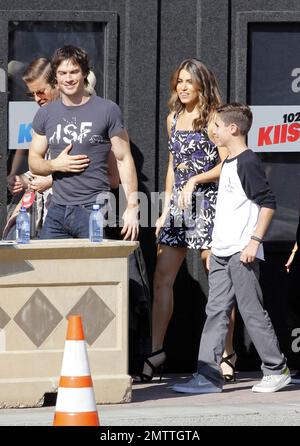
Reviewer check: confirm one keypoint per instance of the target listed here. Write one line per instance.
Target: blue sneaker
(198, 384)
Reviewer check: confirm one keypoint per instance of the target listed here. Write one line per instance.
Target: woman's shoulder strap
(171, 122)
(174, 120)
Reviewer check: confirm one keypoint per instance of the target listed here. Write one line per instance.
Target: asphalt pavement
(155, 404)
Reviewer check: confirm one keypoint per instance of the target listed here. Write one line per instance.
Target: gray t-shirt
(89, 128)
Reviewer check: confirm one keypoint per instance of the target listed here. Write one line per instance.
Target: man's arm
(15, 183)
(265, 216)
(121, 148)
(63, 163)
(36, 159)
(113, 173)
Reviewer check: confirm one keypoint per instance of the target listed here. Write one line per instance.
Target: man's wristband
(257, 239)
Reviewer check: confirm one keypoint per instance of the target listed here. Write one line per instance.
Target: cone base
(76, 419)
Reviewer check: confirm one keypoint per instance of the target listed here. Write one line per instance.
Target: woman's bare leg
(169, 260)
(226, 369)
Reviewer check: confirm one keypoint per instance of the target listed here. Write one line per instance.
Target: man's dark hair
(238, 114)
(69, 52)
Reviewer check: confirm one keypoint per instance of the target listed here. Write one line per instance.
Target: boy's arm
(265, 215)
(256, 187)
(210, 176)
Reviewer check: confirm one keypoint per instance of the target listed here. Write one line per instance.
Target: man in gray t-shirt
(90, 126)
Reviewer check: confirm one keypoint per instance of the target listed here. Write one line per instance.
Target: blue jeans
(67, 221)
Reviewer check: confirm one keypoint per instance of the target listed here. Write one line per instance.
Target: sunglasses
(39, 93)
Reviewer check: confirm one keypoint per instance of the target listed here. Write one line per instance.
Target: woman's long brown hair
(209, 95)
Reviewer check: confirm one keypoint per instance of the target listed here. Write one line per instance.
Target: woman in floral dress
(190, 193)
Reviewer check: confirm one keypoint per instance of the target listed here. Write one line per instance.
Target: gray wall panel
(140, 101)
(178, 41)
(213, 46)
(263, 11)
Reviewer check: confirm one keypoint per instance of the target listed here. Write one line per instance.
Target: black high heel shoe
(154, 366)
(229, 377)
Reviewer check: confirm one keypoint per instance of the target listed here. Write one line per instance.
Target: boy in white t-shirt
(245, 207)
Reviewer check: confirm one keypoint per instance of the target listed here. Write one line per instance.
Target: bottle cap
(96, 207)
(22, 209)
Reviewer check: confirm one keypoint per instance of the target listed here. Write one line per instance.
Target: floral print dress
(191, 228)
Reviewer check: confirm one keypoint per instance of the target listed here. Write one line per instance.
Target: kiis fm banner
(20, 116)
(275, 128)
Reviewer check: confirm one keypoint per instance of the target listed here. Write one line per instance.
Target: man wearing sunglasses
(37, 79)
(40, 96)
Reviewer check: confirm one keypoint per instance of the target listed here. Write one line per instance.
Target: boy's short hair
(238, 114)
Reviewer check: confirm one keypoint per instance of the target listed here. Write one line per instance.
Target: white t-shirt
(243, 190)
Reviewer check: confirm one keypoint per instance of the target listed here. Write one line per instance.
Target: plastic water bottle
(96, 224)
(23, 226)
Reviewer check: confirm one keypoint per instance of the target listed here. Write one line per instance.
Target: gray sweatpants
(232, 281)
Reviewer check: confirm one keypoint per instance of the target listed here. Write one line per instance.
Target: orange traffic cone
(75, 405)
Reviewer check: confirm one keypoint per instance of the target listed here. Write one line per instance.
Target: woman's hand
(160, 223)
(291, 258)
(290, 261)
(185, 195)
